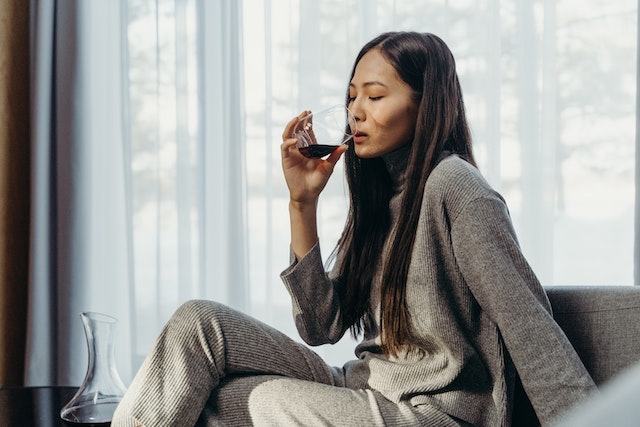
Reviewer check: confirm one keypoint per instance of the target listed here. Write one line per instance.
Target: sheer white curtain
(158, 176)
(550, 93)
(187, 159)
(138, 173)
(79, 256)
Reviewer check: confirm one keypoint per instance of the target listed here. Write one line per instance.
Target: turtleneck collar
(396, 163)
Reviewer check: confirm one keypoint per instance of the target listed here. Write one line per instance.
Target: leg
(200, 345)
(280, 401)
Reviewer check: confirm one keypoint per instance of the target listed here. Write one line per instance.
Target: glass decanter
(102, 388)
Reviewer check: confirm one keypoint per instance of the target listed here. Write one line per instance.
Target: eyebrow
(371, 83)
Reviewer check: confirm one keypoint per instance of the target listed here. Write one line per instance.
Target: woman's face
(383, 107)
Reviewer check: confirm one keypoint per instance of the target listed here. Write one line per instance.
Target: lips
(359, 137)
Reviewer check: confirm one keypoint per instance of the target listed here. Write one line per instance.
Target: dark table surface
(33, 406)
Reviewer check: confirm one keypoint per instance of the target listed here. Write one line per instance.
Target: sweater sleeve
(501, 280)
(315, 300)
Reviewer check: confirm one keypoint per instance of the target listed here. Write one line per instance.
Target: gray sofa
(603, 324)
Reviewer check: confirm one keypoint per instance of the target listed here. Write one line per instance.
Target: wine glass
(320, 133)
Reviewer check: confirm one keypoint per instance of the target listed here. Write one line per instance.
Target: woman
(428, 271)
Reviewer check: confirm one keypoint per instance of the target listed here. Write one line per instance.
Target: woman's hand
(305, 177)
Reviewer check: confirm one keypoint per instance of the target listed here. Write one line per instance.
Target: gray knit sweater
(477, 309)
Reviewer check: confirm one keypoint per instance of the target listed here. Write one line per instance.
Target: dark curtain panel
(636, 255)
(14, 187)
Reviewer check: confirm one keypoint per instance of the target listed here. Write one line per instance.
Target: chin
(364, 153)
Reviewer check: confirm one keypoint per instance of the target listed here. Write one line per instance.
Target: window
(550, 92)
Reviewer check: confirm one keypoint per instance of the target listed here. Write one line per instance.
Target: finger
(287, 144)
(290, 127)
(337, 153)
(289, 150)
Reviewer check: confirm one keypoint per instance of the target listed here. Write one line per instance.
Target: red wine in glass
(317, 150)
(320, 133)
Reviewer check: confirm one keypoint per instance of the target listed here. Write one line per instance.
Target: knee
(194, 309)
(193, 314)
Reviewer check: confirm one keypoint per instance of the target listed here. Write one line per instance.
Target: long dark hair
(426, 64)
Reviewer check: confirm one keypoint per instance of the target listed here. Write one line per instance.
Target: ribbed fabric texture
(213, 366)
(478, 314)
(477, 309)
(203, 343)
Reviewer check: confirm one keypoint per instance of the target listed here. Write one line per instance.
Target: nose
(357, 112)
(353, 119)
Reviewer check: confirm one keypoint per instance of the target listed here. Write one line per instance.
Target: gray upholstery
(602, 323)
(616, 405)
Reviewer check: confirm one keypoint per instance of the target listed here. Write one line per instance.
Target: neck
(396, 164)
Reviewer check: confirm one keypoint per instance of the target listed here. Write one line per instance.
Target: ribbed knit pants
(213, 366)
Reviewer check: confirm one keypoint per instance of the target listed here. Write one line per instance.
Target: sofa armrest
(602, 323)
